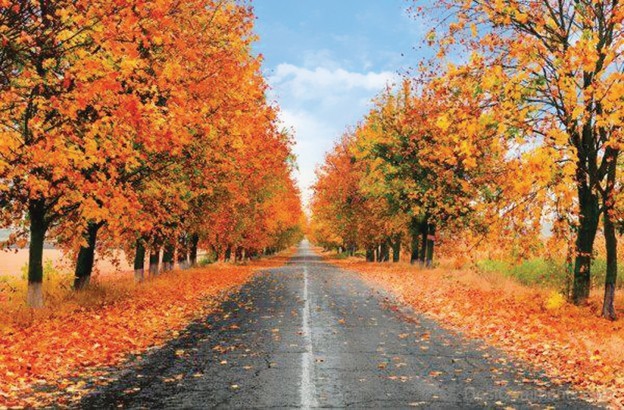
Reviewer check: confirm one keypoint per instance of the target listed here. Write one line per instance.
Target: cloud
(319, 103)
(313, 139)
(321, 82)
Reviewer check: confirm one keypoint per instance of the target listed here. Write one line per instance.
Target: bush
(206, 260)
(342, 255)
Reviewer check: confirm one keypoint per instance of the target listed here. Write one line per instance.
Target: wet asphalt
(310, 335)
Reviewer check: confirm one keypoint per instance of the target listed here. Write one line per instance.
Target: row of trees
(524, 133)
(139, 125)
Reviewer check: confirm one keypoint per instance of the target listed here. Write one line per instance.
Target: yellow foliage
(555, 301)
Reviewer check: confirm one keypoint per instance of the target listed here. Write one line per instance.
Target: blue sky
(326, 59)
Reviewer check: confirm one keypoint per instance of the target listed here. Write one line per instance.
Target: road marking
(308, 390)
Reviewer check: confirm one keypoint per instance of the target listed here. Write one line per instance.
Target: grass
(343, 255)
(547, 272)
(206, 260)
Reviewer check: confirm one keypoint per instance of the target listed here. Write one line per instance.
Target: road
(310, 335)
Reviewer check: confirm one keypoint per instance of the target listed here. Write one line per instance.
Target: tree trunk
(370, 255)
(424, 228)
(396, 249)
(183, 262)
(228, 254)
(86, 257)
(430, 245)
(168, 254)
(385, 251)
(182, 252)
(154, 260)
(608, 306)
(38, 228)
(414, 247)
(193, 249)
(139, 261)
(588, 224)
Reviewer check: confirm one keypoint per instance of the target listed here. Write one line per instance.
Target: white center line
(308, 390)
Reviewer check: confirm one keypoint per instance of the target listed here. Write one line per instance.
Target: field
(13, 262)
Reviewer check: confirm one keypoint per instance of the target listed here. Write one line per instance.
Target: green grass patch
(547, 272)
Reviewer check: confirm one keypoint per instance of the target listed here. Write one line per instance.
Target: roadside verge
(570, 344)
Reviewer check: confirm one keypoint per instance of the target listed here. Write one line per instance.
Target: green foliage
(342, 255)
(207, 259)
(50, 273)
(599, 271)
(360, 253)
(546, 272)
(531, 272)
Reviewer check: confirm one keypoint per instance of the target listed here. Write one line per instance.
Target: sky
(325, 60)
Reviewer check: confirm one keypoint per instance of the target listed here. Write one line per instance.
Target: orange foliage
(82, 332)
(565, 341)
(143, 125)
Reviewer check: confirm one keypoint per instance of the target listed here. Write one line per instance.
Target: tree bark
(86, 257)
(370, 255)
(396, 249)
(414, 247)
(350, 249)
(183, 260)
(588, 225)
(430, 245)
(154, 260)
(38, 228)
(183, 253)
(385, 251)
(422, 255)
(608, 306)
(168, 254)
(139, 261)
(193, 249)
(228, 254)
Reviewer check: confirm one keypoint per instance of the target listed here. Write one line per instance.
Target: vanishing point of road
(310, 335)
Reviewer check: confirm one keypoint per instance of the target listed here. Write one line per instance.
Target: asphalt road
(310, 335)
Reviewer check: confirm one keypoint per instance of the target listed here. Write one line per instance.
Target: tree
(48, 115)
(124, 126)
(554, 69)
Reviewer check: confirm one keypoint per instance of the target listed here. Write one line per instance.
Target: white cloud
(323, 82)
(319, 104)
(313, 139)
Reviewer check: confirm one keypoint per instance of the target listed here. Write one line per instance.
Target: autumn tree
(49, 117)
(555, 67)
(337, 199)
(125, 125)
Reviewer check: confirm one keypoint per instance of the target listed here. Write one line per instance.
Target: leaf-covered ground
(67, 346)
(569, 343)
